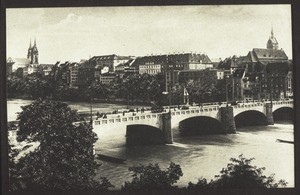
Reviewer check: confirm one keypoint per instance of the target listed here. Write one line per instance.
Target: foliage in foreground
(239, 173)
(64, 158)
(151, 177)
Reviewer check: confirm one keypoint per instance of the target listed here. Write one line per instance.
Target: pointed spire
(30, 44)
(272, 34)
(34, 41)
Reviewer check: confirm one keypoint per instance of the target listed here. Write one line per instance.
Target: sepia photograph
(143, 98)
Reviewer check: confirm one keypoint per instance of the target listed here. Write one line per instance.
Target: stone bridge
(144, 126)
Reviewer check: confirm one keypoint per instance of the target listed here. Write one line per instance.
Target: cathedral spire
(30, 44)
(272, 34)
(34, 41)
(272, 42)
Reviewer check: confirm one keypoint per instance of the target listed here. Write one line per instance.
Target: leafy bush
(151, 177)
(239, 173)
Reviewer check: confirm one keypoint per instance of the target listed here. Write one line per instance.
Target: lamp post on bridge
(166, 92)
(226, 88)
(91, 107)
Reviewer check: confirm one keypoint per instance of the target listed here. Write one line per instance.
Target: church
(272, 42)
(33, 53)
(270, 66)
(27, 65)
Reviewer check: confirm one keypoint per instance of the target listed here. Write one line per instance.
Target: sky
(72, 34)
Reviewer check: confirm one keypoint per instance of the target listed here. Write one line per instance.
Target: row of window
(147, 67)
(150, 71)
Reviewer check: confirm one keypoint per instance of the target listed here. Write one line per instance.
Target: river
(198, 156)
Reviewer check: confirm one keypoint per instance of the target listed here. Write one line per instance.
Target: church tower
(272, 42)
(29, 51)
(33, 53)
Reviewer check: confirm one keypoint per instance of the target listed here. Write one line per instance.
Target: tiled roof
(173, 59)
(250, 57)
(265, 54)
(104, 57)
(110, 57)
(126, 63)
(123, 58)
(21, 60)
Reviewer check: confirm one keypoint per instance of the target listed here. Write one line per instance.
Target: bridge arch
(250, 118)
(200, 125)
(141, 134)
(283, 113)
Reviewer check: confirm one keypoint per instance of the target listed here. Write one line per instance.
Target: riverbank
(14, 106)
(106, 101)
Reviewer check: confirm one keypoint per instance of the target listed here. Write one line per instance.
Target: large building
(27, 65)
(150, 68)
(261, 74)
(14, 64)
(127, 68)
(86, 73)
(108, 78)
(170, 65)
(74, 68)
(110, 61)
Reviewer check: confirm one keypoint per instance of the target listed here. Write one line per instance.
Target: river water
(198, 156)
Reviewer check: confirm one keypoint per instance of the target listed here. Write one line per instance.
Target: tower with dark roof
(272, 42)
(33, 53)
(29, 51)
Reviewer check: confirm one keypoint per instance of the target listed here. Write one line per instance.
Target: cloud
(71, 18)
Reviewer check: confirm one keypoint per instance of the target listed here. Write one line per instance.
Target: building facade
(74, 69)
(110, 61)
(150, 68)
(108, 78)
(171, 64)
(270, 66)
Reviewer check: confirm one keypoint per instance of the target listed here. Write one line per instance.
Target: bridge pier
(227, 120)
(269, 113)
(165, 126)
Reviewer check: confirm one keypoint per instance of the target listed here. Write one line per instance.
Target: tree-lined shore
(130, 89)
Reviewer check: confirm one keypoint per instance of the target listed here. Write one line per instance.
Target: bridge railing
(284, 102)
(117, 118)
(248, 105)
(144, 116)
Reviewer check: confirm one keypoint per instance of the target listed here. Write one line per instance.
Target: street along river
(198, 156)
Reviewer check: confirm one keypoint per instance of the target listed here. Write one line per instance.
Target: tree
(14, 179)
(37, 86)
(201, 90)
(64, 158)
(239, 173)
(151, 177)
